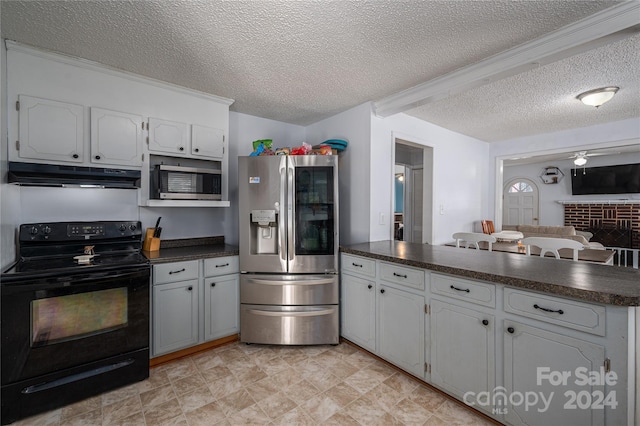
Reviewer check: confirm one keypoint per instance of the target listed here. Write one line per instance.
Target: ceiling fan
(580, 157)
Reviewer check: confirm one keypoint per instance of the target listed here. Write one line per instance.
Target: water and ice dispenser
(264, 232)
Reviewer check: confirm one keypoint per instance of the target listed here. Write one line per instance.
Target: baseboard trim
(163, 359)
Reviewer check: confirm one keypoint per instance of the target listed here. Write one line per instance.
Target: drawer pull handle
(177, 272)
(511, 330)
(559, 311)
(222, 266)
(485, 322)
(190, 288)
(460, 289)
(369, 286)
(356, 265)
(399, 275)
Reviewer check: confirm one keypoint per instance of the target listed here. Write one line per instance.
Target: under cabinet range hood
(33, 174)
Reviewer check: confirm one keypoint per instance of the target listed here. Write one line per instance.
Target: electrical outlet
(381, 218)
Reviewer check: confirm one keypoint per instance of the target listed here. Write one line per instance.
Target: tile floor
(240, 384)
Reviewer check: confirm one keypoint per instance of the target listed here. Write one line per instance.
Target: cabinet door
(50, 130)
(401, 329)
(175, 316)
(359, 311)
(527, 349)
(168, 136)
(221, 306)
(207, 142)
(462, 349)
(116, 137)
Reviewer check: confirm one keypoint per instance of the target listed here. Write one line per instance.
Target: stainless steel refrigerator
(289, 249)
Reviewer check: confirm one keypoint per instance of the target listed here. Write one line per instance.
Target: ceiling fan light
(580, 161)
(598, 97)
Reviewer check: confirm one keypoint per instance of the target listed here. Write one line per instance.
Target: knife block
(150, 242)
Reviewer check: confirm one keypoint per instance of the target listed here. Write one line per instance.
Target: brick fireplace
(614, 224)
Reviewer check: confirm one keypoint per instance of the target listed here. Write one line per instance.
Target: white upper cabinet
(116, 137)
(50, 130)
(207, 141)
(172, 138)
(167, 136)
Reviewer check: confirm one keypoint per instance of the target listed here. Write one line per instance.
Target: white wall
(243, 130)
(354, 165)
(551, 212)
(460, 176)
(625, 132)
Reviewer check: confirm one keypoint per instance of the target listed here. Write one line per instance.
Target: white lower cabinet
(359, 311)
(462, 349)
(535, 361)
(189, 308)
(221, 297)
(175, 316)
(384, 313)
(401, 329)
(522, 357)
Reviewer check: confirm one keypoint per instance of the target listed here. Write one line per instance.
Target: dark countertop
(611, 285)
(191, 249)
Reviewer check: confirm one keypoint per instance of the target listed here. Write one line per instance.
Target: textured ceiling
(302, 61)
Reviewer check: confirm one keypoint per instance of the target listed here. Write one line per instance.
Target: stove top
(52, 249)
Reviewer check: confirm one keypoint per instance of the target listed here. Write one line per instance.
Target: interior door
(521, 204)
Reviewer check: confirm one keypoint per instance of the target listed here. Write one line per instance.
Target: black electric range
(74, 314)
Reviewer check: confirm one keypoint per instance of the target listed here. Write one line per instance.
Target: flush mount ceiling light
(580, 160)
(597, 97)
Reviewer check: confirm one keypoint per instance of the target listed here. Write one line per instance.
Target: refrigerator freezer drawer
(289, 289)
(289, 325)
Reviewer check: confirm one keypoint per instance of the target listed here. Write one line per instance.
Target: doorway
(521, 205)
(413, 189)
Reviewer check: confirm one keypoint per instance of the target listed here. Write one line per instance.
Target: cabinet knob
(485, 322)
(382, 291)
(75, 156)
(369, 286)
(213, 284)
(511, 330)
(190, 288)
(196, 150)
(181, 148)
(97, 157)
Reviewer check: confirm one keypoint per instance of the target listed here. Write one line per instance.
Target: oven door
(61, 322)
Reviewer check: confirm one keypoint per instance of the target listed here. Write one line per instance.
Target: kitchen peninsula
(474, 322)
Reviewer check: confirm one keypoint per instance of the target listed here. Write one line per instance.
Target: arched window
(520, 187)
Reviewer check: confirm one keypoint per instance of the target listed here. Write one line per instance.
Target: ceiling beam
(559, 44)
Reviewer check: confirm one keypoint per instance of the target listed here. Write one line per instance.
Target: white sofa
(567, 232)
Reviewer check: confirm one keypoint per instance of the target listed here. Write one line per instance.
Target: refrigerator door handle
(319, 281)
(282, 222)
(291, 214)
(314, 313)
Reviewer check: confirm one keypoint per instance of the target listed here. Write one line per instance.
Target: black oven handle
(99, 275)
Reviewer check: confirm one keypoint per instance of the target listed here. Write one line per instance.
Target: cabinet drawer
(221, 266)
(471, 291)
(568, 313)
(359, 265)
(409, 277)
(176, 271)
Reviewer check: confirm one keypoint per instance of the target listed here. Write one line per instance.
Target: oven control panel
(71, 231)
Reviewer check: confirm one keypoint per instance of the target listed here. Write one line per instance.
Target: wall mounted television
(618, 179)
